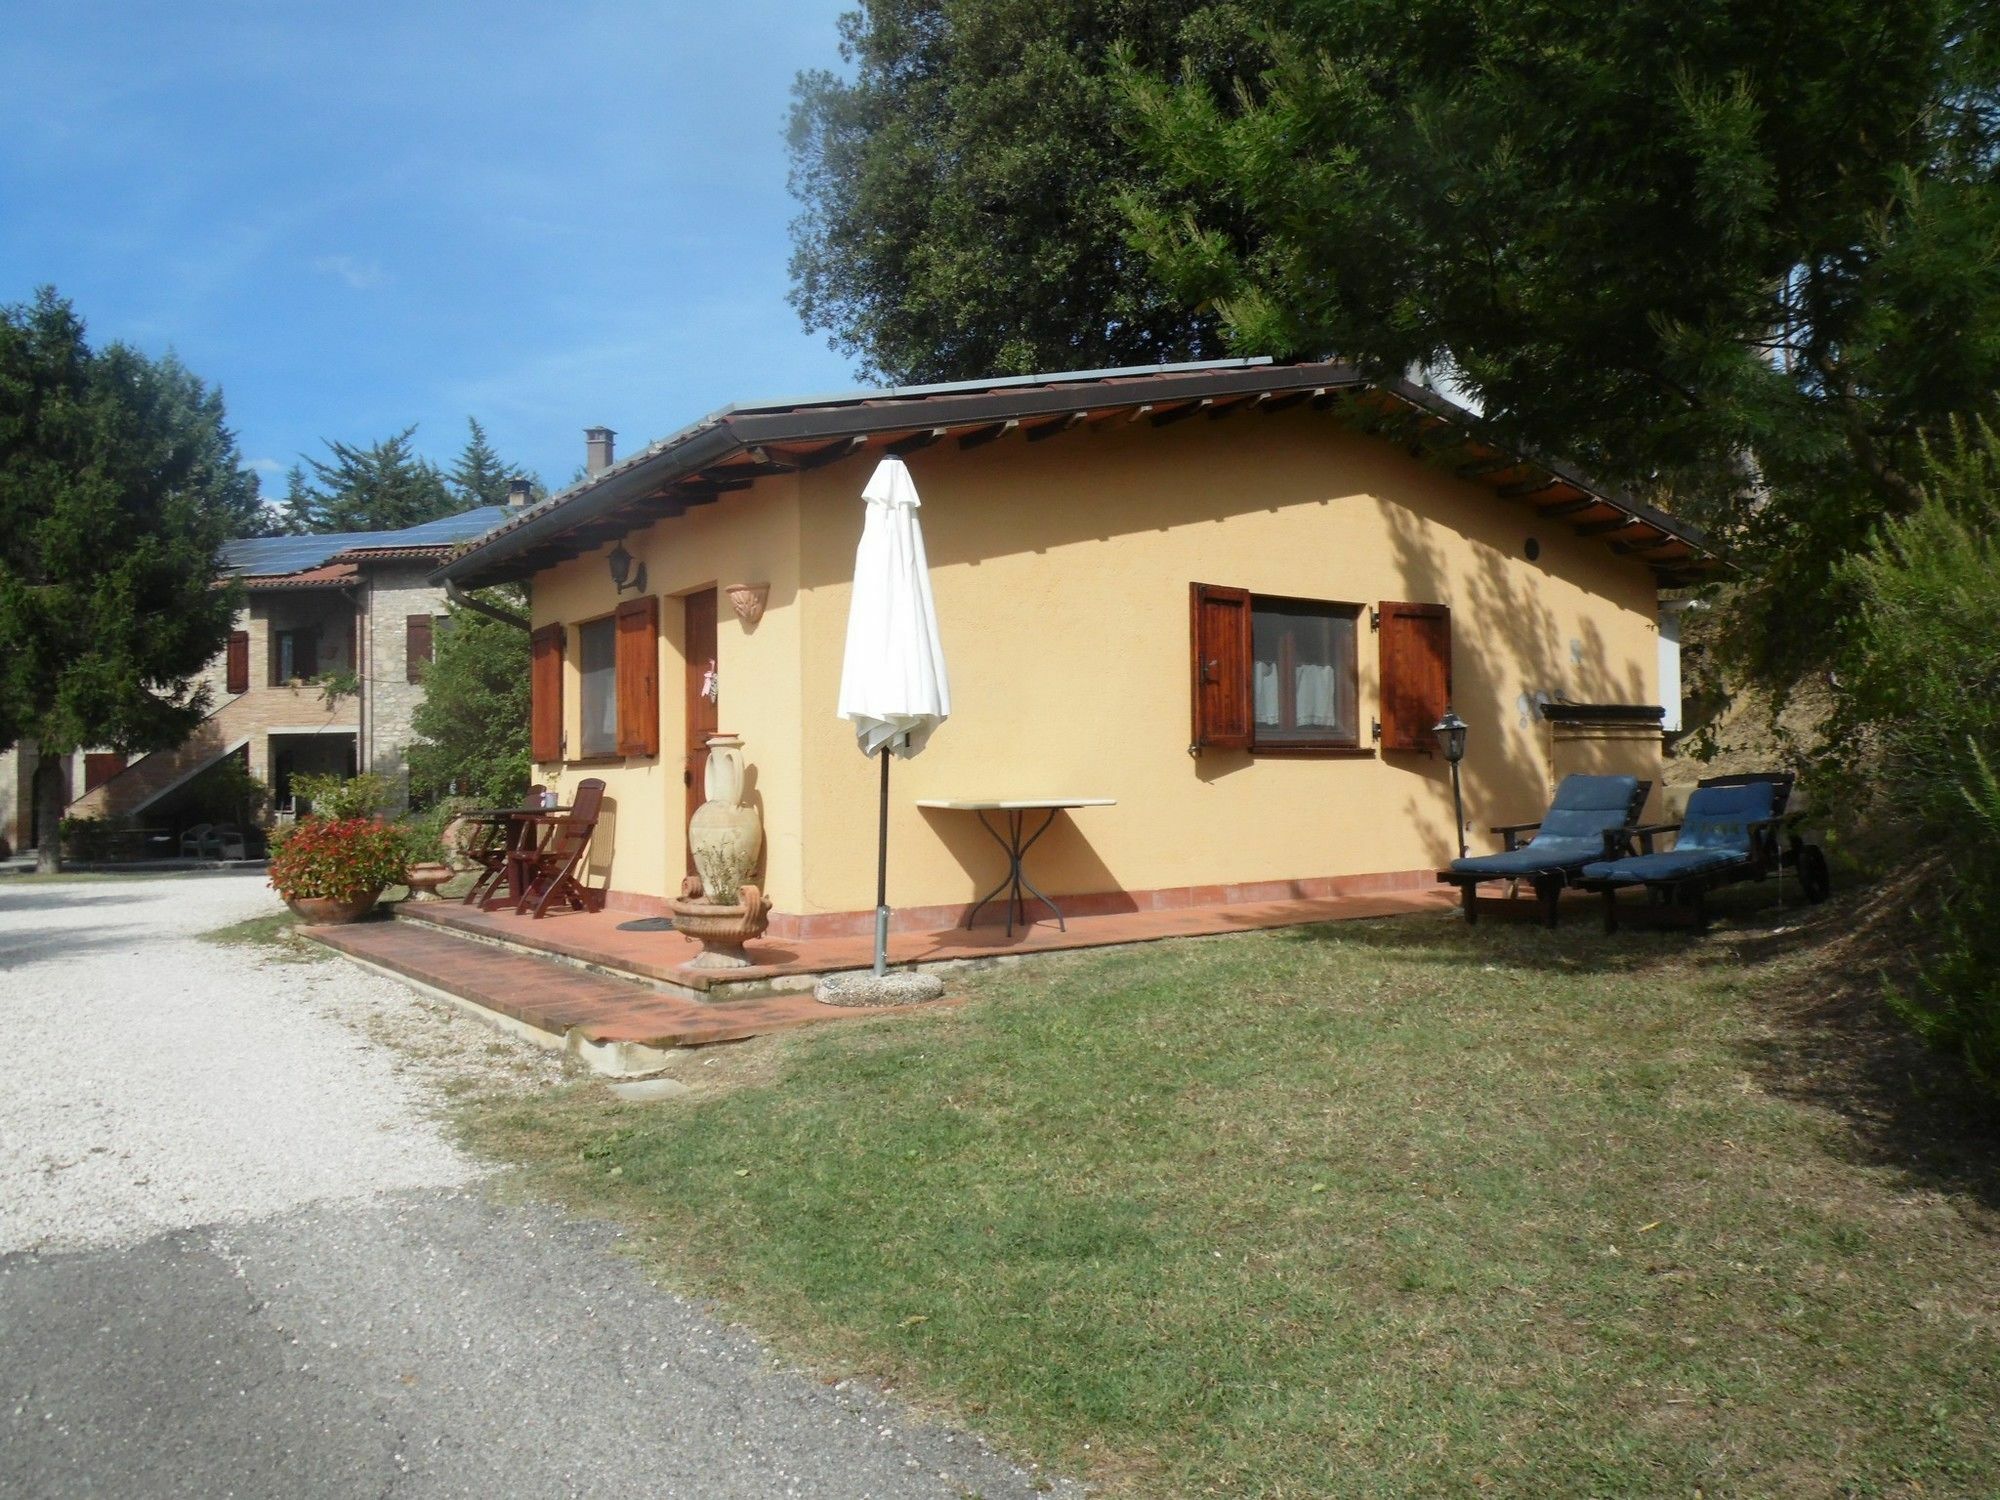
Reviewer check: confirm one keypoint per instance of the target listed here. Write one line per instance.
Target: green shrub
(1954, 1003)
(340, 797)
(1920, 699)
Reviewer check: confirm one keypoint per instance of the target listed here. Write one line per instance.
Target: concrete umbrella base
(899, 987)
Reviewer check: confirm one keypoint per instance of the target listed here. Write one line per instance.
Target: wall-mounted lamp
(622, 576)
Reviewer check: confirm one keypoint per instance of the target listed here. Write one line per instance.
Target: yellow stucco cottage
(1231, 597)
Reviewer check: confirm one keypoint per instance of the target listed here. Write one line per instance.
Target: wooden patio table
(515, 827)
(1015, 810)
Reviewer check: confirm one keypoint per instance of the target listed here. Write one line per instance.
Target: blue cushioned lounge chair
(1729, 833)
(1587, 823)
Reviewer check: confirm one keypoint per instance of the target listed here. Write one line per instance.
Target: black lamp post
(1450, 732)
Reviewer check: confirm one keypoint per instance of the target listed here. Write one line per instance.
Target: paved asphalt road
(174, 1327)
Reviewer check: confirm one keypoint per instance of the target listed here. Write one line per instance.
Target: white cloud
(264, 465)
(362, 275)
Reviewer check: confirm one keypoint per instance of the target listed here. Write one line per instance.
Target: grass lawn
(1367, 1209)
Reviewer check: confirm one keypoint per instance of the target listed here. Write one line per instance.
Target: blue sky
(356, 216)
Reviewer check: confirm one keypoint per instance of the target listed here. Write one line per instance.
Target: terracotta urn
(332, 911)
(725, 832)
(721, 929)
(424, 880)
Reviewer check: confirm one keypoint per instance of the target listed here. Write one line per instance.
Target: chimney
(597, 450)
(519, 493)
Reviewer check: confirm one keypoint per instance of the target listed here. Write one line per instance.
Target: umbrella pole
(882, 874)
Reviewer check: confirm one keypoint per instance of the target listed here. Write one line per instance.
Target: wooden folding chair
(495, 836)
(545, 869)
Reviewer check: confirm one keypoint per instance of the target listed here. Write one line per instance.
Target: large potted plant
(333, 869)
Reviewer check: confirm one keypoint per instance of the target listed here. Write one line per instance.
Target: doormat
(648, 924)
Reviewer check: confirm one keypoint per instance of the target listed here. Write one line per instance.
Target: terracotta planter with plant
(332, 869)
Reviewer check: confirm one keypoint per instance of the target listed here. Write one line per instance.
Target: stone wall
(395, 592)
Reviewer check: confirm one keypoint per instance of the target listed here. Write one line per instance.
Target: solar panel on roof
(292, 554)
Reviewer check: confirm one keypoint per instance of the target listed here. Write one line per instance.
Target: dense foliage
(388, 485)
(339, 797)
(338, 859)
(119, 483)
(384, 486)
(960, 189)
(472, 727)
(1742, 255)
(1920, 705)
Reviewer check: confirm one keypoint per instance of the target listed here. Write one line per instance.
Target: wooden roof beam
(1521, 489)
(980, 436)
(1184, 410)
(831, 452)
(1605, 528)
(1223, 409)
(1047, 430)
(1569, 507)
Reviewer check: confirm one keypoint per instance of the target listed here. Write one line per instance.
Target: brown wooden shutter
(99, 768)
(238, 679)
(638, 629)
(545, 694)
(1221, 666)
(416, 646)
(1416, 673)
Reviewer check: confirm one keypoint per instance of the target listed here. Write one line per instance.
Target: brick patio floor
(595, 937)
(577, 975)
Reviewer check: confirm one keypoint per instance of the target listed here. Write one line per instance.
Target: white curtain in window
(1264, 680)
(1317, 708)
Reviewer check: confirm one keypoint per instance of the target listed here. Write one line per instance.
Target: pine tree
(382, 487)
(479, 477)
(119, 482)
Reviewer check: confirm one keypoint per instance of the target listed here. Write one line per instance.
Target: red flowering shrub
(342, 859)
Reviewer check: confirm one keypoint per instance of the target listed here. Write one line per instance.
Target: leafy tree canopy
(472, 727)
(960, 190)
(1746, 256)
(382, 487)
(119, 482)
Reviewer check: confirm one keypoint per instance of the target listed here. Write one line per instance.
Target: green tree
(382, 487)
(961, 190)
(119, 483)
(472, 727)
(1742, 255)
(480, 477)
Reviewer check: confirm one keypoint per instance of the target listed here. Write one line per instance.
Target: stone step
(614, 1024)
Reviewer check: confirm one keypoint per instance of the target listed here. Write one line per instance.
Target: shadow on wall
(1509, 653)
(984, 860)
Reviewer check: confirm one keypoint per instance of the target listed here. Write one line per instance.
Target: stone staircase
(244, 719)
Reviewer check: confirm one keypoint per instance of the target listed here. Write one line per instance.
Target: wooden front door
(698, 639)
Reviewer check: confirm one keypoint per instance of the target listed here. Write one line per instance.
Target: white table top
(1013, 804)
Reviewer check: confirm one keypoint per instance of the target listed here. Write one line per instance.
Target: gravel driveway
(240, 1256)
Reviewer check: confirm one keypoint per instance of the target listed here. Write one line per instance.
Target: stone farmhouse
(322, 672)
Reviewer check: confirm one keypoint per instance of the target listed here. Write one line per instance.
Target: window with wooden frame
(236, 671)
(597, 688)
(638, 650)
(417, 649)
(1274, 675)
(1416, 672)
(545, 693)
(294, 655)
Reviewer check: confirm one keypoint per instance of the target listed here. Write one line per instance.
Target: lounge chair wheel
(1815, 877)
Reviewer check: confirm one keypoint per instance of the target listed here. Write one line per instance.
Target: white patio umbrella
(892, 679)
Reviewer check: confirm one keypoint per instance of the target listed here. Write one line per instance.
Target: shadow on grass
(1814, 978)
(1832, 1043)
